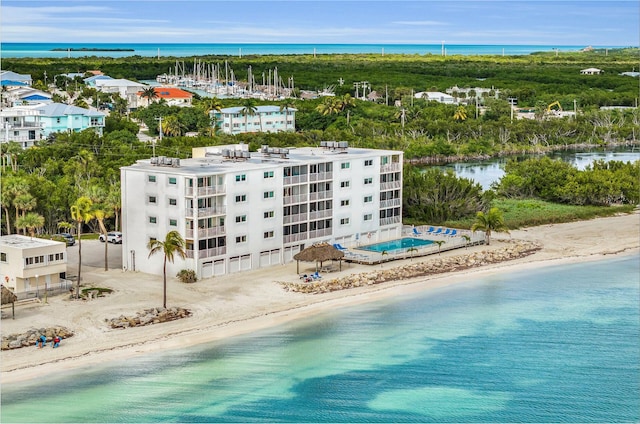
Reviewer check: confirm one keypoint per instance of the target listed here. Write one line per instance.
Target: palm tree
(384, 252)
(100, 213)
(12, 186)
(460, 114)
(467, 240)
(24, 202)
(412, 250)
(285, 106)
(491, 221)
(113, 201)
(173, 244)
(31, 222)
(172, 126)
(249, 109)
(208, 105)
(149, 93)
(439, 243)
(329, 106)
(347, 103)
(81, 213)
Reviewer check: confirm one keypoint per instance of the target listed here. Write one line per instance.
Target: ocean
(553, 344)
(60, 50)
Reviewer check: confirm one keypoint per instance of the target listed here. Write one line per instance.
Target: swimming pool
(396, 246)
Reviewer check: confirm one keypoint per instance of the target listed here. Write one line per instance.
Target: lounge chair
(430, 230)
(416, 232)
(340, 247)
(447, 232)
(453, 233)
(437, 232)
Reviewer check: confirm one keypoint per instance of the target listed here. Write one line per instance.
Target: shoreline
(226, 307)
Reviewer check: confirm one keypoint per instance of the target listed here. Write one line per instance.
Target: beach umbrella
(9, 297)
(319, 252)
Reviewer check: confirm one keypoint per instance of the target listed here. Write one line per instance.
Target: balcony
(202, 212)
(206, 191)
(320, 195)
(390, 220)
(320, 233)
(289, 219)
(321, 176)
(326, 213)
(294, 237)
(298, 198)
(207, 253)
(390, 167)
(390, 185)
(390, 203)
(297, 179)
(207, 232)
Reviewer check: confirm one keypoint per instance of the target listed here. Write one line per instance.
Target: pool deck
(356, 255)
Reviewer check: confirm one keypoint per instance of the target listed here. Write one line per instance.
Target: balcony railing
(206, 191)
(207, 253)
(297, 179)
(218, 210)
(325, 213)
(390, 220)
(390, 185)
(207, 232)
(294, 237)
(298, 198)
(390, 167)
(389, 203)
(321, 176)
(320, 195)
(295, 218)
(320, 233)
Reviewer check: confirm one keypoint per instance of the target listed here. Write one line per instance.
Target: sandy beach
(245, 302)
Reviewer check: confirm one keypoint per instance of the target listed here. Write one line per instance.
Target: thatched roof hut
(9, 297)
(320, 252)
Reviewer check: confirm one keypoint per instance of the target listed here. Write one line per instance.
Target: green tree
(81, 214)
(249, 109)
(172, 126)
(149, 93)
(492, 221)
(460, 114)
(172, 245)
(31, 222)
(285, 106)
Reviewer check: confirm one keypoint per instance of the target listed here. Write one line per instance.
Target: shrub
(187, 276)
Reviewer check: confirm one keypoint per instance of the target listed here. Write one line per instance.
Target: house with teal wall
(58, 117)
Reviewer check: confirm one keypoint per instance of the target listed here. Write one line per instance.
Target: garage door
(218, 267)
(275, 256)
(245, 262)
(234, 264)
(265, 259)
(207, 269)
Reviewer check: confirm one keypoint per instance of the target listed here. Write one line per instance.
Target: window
(173, 222)
(173, 202)
(344, 184)
(368, 199)
(152, 178)
(345, 165)
(268, 194)
(368, 180)
(344, 202)
(344, 221)
(368, 217)
(28, 261)
(268, 174)
(368, 162)
(3, 257)
(269, 214)
(173, 180)
(241, 177)
(241, 218)
(152, 220)
(241, 198)
(152, 199)
(241, 239)
(268, 234)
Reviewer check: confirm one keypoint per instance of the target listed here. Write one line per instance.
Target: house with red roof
(173, 96)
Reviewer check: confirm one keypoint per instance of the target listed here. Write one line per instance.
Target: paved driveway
(93, 256)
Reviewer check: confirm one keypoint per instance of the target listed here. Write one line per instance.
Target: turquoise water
(554, 344)
(195, 49)
(396, 246)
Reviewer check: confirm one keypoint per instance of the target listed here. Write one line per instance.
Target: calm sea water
(558, 344)
(182, 50)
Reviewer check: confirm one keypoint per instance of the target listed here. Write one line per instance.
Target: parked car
(68, 238)
(112, 237)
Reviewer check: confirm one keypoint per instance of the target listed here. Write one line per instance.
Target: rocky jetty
(516, 249)
(16, 341)
(148, 317)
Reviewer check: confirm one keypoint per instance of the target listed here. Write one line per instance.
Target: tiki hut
(318, 253)
(9, 297)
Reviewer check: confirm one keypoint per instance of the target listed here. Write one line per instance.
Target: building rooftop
(23, 242)
(234, 158)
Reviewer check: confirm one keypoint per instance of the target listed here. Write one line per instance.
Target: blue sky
(541, 22)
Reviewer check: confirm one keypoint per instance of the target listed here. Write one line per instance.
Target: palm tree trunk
(6, 214)
(164, 272)
(79, 260)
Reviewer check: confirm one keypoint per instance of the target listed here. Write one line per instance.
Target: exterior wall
(270, 120)
(20, 125)
(76, 123)
(246, 214)
(31, 264)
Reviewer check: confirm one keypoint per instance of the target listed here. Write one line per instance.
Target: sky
(538, 22)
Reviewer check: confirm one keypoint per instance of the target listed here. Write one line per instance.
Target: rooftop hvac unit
(343, 144)
(284, 151)
(168, 161)
(323, 144)
(160, 160)
(246, 155)
(276, 151)
(175, 162)
(154, 160)
(225, 153)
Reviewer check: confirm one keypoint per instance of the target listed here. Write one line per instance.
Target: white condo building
(239, 210)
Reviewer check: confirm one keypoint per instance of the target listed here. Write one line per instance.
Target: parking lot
(93, 256)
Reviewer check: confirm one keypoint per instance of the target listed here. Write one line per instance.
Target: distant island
(90, 49)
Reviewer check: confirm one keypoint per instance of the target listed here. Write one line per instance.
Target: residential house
(9, 78)
(28, 96)
(172, 96)
(436, 96)
(591, 71)
(232, 120)
(20, 124)
(128, 90)
(239, 210)
(29, 265)
(56, 117)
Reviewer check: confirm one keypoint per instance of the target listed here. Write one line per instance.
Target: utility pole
(160, 129)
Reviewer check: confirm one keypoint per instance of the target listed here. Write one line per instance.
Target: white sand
(249, 301)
